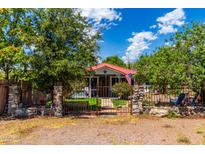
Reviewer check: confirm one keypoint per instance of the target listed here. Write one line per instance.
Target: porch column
(119, 78)
(110, 91)
(110, 82)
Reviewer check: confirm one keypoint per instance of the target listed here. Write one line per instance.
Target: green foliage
(183, 139)
(161, 69)
(1, 75)
(121, 89)
(191, 43)
(92, 102)
(11, 46)
(115, 60)
(46, 46)
(172, 114)
(181, 63)
(60, 47)
(119, 102)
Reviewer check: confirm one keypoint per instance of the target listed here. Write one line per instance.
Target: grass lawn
(119, 102)
(91, 101)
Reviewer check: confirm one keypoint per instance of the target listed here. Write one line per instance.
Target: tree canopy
(60, 46)
(182, 63)
(115, 60)
(46, 46)
(11, 46)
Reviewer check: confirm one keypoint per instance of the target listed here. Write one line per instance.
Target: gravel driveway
(113, 130)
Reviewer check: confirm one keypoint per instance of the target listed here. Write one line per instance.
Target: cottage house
(103, 76)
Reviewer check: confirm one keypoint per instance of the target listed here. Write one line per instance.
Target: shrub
(172, 114)
(183, 139)
(121, 89)
(48, 103)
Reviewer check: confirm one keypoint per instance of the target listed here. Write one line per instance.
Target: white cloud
(153, 27)
(100, 14)
(139, 42)
(167, 44)
(169, 22)
(100, 18)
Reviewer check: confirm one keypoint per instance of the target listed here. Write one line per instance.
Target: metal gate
(3, 94)
(110, 103)
(102, 102)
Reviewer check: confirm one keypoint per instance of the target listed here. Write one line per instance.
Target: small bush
(172, 114)
(203, 140)
(183, 139)
(48, 103)
(121, 89)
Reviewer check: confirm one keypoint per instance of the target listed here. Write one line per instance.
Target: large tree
(162, 69)
(115, 60)
(181, 63)
(191, 43)
(61, 47)
(11, 46)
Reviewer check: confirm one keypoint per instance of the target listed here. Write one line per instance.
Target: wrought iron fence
(170, 97)
(102, 101)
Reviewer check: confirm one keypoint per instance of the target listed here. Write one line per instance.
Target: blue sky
(121, 24)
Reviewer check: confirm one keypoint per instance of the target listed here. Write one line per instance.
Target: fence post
(58, 99)
(97, 110)
(13, 99)
(131, 104)
(131, 108)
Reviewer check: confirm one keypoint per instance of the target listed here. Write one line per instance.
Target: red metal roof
(122, 70)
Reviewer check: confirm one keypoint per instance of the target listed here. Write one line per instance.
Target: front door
(104, 86)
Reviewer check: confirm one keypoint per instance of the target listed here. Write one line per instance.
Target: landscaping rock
(175, 109)
(31, 111)
(159, 112)
(20, 113)
(179, 111)
(42, 111)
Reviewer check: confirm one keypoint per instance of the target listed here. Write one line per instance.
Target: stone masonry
(13, 99)
(58, 100)
(137, 100)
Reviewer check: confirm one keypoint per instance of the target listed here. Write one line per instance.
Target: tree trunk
(164, 89)
(52, 88)
(203, 91)
(6, 72)
(203, 95)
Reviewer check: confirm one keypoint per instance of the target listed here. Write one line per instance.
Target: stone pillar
(13, 99)
(137, 100)
(58, 99)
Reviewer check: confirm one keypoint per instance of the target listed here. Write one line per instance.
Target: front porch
(101, 85)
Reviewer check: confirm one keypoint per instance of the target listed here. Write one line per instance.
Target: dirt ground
(103, 130)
